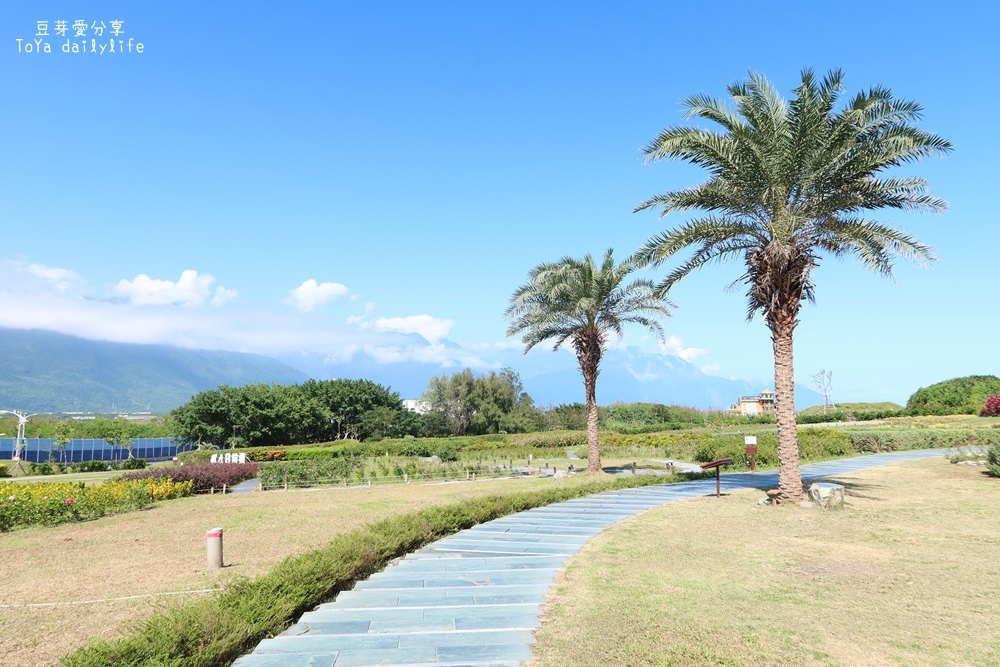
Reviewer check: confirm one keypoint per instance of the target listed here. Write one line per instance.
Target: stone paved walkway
(473, 599)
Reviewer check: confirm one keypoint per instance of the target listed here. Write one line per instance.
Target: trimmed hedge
(204, 476)
(447, 449)
(891, 440)
(215, 631)
(703, 447)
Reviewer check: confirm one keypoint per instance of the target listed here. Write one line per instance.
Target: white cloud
(711, 369)
(386, 354)
(222, 295)
(501, 345)
(431, 328)
(310, 294)
(646, 375)
(342, 354)
(37, 299)
(190, 290)
(62, 279)
(675, 346)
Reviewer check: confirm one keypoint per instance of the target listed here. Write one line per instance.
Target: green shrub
(45, 468)
(965, 395)
(277, 474)
(891, 440)
(447, 451)
(3, 470)
(702, 447)
(993, 459)
(260, 456)
(90, 466)
(504, 453)
(131, 464)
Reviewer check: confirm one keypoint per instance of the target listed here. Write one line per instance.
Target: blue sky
(325, 176)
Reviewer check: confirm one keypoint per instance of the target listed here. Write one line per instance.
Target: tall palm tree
(788, 182)
(577, 301)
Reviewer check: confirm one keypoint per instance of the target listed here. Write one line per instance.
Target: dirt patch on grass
(162, 550)
(903, 575)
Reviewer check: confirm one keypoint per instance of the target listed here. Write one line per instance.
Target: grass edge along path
(213, 632)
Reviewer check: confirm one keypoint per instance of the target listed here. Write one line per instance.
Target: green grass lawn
(903, 575)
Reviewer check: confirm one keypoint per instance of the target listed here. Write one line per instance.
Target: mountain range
(43, 371)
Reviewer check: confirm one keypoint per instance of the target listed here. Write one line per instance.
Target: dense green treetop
(965, 395)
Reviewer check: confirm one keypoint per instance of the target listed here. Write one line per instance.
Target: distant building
(751, 406)
(417, 405)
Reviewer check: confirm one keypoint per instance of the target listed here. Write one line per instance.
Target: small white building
(751, 406)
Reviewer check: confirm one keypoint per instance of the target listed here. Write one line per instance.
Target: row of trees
(315, 411)
(788, 182)
(323, 411)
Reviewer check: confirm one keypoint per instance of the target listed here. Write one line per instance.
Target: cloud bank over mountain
(325, 330)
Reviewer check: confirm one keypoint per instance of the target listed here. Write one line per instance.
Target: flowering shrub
(204, 476)
(992, 407)
(266, 455)
(46, 503)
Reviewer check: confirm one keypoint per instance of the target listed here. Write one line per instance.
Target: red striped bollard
(214, 547)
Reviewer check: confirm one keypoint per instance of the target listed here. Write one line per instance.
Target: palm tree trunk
(789, 477)
(588, 353)
(593, 446)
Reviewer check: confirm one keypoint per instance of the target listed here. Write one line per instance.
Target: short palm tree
(580, 302)
(789, 182)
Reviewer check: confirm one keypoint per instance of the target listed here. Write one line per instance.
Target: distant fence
(38, 450)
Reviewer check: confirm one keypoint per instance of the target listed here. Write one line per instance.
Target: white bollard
(214, 547)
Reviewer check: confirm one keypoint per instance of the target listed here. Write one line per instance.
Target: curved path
(474, 598)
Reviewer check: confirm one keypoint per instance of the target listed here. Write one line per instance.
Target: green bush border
(214, 631)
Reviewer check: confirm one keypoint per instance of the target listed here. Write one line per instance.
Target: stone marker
(827, 495)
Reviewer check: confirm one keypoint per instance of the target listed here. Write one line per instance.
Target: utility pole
(19, 444)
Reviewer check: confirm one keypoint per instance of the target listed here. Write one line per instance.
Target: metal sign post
(751, 443)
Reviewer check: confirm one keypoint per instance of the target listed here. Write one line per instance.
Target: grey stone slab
(389, 582)
(326, 643)
(487, 622)
(287, 660)
(437, 601)
(408, 656)
(531, 529)
(509, 598)
(529, 538)
(473, 611)
(470, 638)
(464, 654)
(414, 624)
(333, 613)
(338, 627)
(512, 548)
